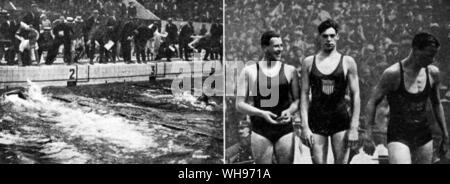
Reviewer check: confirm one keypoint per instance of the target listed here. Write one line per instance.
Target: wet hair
(267, 36)
(422, 40)
(329, 23)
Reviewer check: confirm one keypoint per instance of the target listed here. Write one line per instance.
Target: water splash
(185, 99)
(89, 126)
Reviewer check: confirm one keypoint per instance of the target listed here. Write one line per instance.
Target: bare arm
(378, 94)
(354, 89)
(435, 99)
(307, 135)
(295, 88)
(304, 92)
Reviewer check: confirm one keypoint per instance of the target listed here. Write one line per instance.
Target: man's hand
(352, 138)
(443, 148)
(268, 116)
(286, 117)
(307, 137)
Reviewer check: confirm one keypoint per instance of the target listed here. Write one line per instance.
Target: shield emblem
(328, 86)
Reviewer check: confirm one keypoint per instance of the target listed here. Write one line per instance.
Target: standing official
(63, 36)
(8, 29)
(172, 31)
(203, 30)
(216, 34)
(185, 38)
(142, 34)
(132, 10)
(112, 36)
(92, 22)
(126, 36)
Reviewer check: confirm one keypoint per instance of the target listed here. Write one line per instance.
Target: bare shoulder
(307, 62)
(289, 68)
(289, 71)
(309, 59)
(250, 71)
(392, 71)
(350, 63)
(349, 60)
(391, 76)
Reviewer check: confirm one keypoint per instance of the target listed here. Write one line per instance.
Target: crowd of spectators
(376, 33)
(197, 11)
(71, 8)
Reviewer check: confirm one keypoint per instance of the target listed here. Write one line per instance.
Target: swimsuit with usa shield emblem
(327, 86)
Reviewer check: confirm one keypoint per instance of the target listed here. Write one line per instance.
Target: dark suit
(90, 23)
(113, 31)
(8, 30)
(215, 45)
(172, 33)
(132, 11)
(185, 38)
(65, 39)
(45, 42)
(203, 31)
(127, 31)
(122, 10)
(143, 34)
(101, 35)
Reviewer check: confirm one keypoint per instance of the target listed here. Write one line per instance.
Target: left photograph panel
(111, 82)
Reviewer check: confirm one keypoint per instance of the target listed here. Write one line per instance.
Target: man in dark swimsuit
(326, 114)
(270, 111)
(408, 85)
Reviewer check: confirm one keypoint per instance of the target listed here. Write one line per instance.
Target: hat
(69, 19)
(3, 13)
(95, 11)
(78, 19)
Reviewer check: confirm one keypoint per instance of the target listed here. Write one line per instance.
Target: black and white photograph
(224, 82)
(92, 82)
(337, 82)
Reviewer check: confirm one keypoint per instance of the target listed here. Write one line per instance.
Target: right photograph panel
(337, 82)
